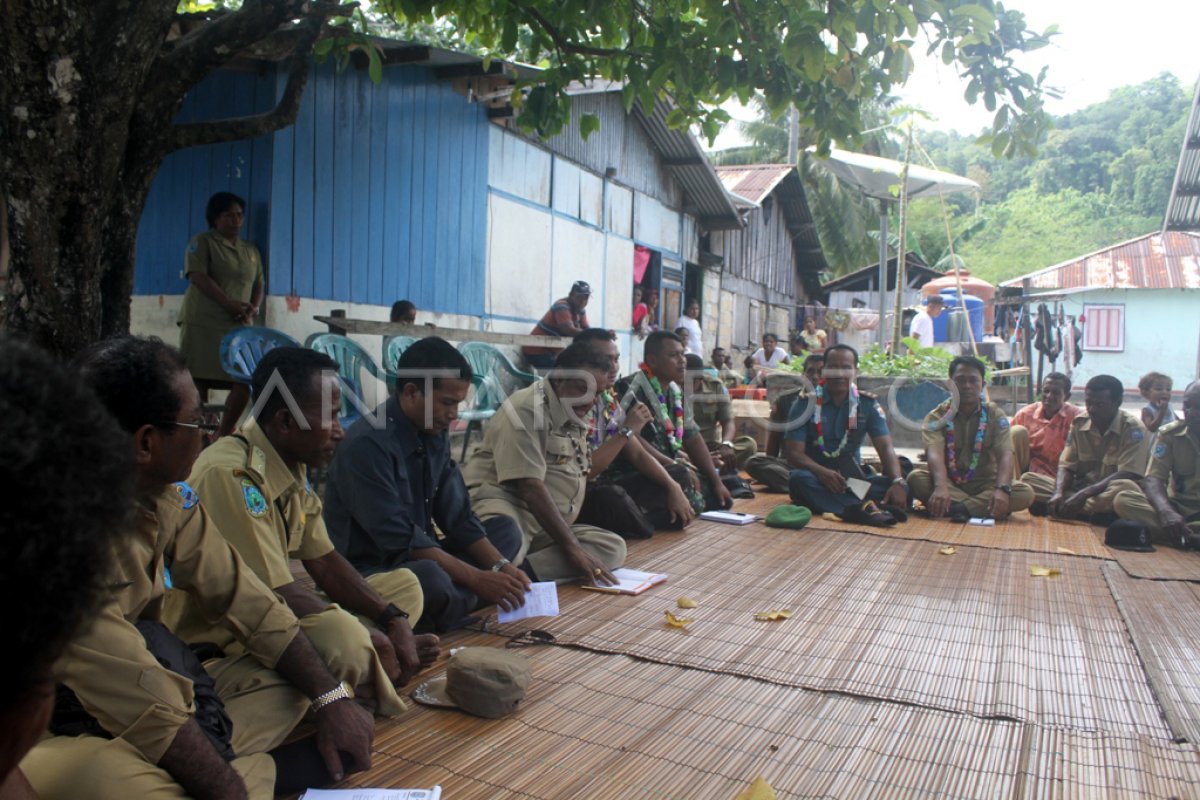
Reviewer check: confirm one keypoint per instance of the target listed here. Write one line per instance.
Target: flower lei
(951, 456)
(672, 421)
(851, 422)
(608, 409)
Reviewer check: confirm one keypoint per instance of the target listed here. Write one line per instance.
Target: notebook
(632, 581)
(730, 517)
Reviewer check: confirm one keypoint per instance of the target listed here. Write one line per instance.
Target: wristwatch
(1006, 488)
(390, 612)
(900, 481)
(341, 692)
(500, 564)
(727, 443)
(626, 431)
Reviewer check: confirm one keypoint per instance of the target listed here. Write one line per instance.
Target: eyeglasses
(207, 428)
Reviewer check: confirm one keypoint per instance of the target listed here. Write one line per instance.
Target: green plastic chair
(393, 348)
(489, 366)
(352, 361)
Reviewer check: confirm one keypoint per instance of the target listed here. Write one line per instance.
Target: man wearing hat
(566, 317)
(1169, 503)
(1106, 454)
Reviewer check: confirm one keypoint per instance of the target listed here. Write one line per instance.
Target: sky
(1101, 45)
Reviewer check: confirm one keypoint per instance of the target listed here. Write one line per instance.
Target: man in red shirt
(1039, 430)
(565, 318)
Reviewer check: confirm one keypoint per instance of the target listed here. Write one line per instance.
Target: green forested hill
(1102, 176)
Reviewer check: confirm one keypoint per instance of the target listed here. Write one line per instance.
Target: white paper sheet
(373, 794)
(540, 601)
(858, 486)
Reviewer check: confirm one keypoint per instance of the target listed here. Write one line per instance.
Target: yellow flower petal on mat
(948, 551)
(1044, 572)
(677, 622)
(1065, 550)
(831, 517)
(771, 616)
(686, 602)
(759, 790)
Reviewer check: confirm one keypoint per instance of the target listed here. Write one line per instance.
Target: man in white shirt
(922, 324)
(768, 357)
(691, 321)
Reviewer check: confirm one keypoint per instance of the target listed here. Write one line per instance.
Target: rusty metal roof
(1183, 207)
(1153, 261)
(753, 181)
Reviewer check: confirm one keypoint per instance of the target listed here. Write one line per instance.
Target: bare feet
(429, 647)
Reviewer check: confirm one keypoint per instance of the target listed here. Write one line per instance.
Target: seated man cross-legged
(533, 467)
(1169, 502)
(1106, 454)
(822, 446)
(390, 483)
(771, 467)
(969, 452)
(255, 487)
(208, 731)
(1039, 430)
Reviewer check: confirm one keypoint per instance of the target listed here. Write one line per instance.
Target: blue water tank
(974, 309)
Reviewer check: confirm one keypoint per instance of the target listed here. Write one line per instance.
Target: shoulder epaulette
(1173, 428)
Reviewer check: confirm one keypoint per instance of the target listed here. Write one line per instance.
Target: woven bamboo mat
(1164, 620)
(1164, 564)
(1019, 532)
(603, 726)
(881, 618)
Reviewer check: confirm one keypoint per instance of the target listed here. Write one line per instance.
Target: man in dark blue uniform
(825, 432)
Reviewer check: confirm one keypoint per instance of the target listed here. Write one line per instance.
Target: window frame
(1089, 313)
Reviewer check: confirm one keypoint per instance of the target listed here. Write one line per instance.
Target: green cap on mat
(788, 516)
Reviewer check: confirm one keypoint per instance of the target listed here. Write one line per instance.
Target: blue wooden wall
(174, 211)
(377, 193)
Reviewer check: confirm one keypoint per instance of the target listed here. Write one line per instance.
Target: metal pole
(1027, 327)
(883, 259)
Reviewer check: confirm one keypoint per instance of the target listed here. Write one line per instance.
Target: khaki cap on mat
(484, 681)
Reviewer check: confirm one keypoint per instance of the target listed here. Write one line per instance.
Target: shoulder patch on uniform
(1003, 423)
(187, 495)
(1160, 450)
(193, 246)
(1137, 435)
(256, 504)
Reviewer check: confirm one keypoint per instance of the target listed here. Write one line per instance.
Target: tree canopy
(94, 88)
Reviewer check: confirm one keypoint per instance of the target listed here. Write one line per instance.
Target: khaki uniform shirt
(531, 436)
(234, 266)
(1092, 456)
(713, 411)
(269, 513)
(119, 682)
(1175, 461)
(997, 439)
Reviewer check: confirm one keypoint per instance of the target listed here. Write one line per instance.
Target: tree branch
(284, 113)
(563, 43)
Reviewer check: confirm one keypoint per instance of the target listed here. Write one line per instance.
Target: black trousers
(448, 605)
(633, 506)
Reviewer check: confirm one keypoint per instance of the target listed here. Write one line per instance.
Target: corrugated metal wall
(619, 143)
(380, 193)
(761, 252)
(174, 211)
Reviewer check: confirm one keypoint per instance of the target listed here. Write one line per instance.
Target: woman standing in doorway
(225, 275)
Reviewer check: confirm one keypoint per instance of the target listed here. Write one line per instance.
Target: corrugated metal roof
(1153, 261)
(867, 278)
(1183, 207)
(753, 181)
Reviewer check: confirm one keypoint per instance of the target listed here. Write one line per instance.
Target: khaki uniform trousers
(1043, 488)
(1020, 446)
(539, 548)
(1134, 505)
(976, 495)
(774, 473)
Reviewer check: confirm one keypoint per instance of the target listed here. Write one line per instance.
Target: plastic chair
(352, 361)
(393, 348)
(489, 366)
(243, 348)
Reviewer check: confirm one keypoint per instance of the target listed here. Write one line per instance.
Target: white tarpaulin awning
(880, 177)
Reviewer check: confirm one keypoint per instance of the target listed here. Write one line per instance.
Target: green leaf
(588, 124)
(978, 14)
(375, 66)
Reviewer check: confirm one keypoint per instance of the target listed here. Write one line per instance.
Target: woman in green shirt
(225, 275)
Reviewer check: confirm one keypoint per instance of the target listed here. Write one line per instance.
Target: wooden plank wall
(760, 252)
(174, 211)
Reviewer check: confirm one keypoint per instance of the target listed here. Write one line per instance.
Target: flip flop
(868, 514)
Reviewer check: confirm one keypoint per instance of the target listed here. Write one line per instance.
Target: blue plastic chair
(352, 361)
(243, 348)
(489, 366)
